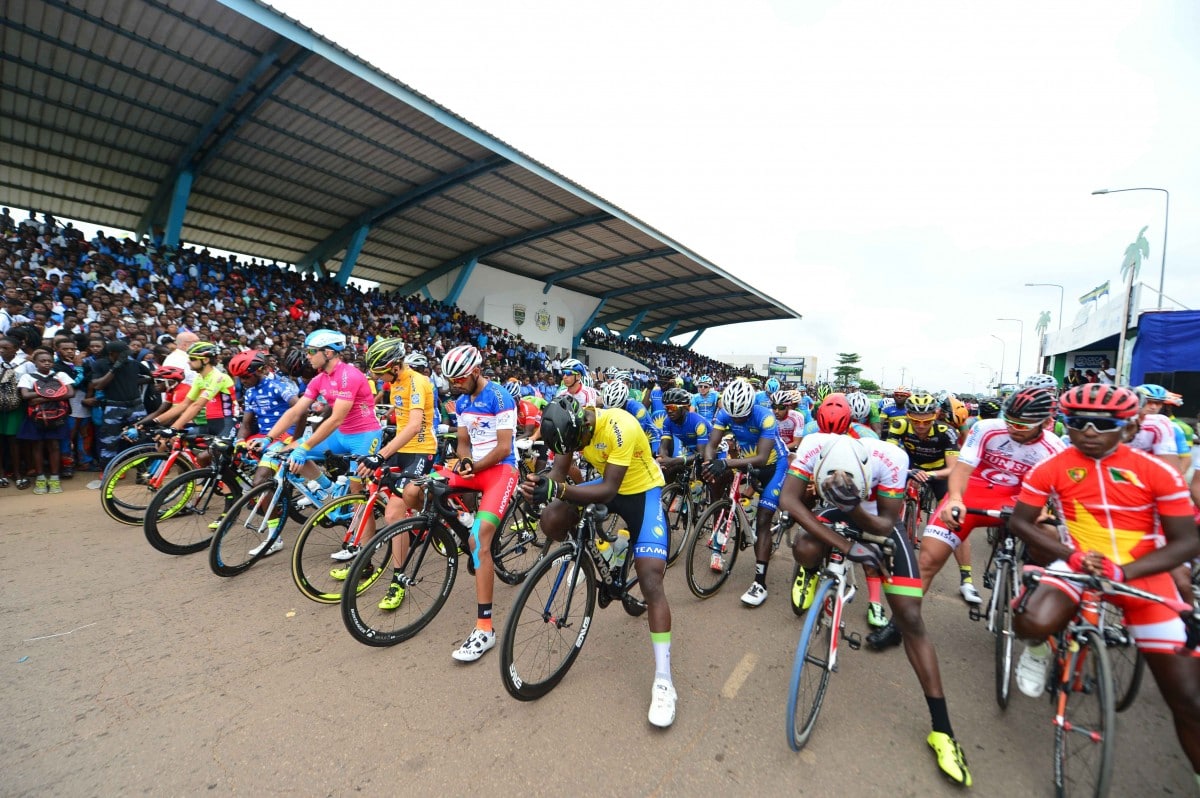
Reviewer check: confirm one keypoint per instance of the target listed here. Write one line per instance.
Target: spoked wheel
(399, 600)
(713, 549)
(1083, 740)
(810, 670)
(679, 509)
(1002, 596)
(128, 487)
(329, 530)
(1126, 661)
(237, 545)
(912, 519)
(548, 624)
(518, 543)
(184, 514)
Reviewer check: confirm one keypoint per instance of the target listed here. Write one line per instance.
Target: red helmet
(245, 362)
(1096, 397)
(833, 414)
(173, 373)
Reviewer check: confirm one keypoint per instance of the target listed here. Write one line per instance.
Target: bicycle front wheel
(517, 543)
(679, 510)
(912, 520)
(184, 514)
(1083, 739)
(391, 609)
(130, 484)
(332, 527)
(1002, 596)
(811, 669)
(238, 543)
(713, 549)
(548, 624)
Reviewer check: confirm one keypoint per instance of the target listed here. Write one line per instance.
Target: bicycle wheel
(1124, 659)
(183, 515)
(517, 544)
(912, 513)
(330, 527)
(1002, 596)
(548, 624)
(711, 551)
(127, 489)
(426, 575)
(810, 670)
(245, 528)
(1083, 740)
(679, 509)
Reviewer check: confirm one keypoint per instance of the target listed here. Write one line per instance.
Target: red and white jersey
(584, 395)
(788, 427)
(998, 460)
(1156, 436)
(888, 473)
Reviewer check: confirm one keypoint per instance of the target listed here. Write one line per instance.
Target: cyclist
(573, 373)
(932, 449)
(351, 427)
(878, 515)
(988, 408)
(1184, 434)
(630, 485)
(487, 423)
(1128, 518)
(791, 423)
(887, 412)
(762, 397)
(871, 417)
(529, 414)
(684, 433)
(864, 424)
(705, 400)
(757, 434)
(1156, 433)
(839, 402)
(210, 401)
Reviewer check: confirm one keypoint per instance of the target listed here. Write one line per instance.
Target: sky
(895, 172)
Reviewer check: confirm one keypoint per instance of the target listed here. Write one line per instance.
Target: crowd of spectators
(684, 362)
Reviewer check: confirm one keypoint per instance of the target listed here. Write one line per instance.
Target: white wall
(602, 359)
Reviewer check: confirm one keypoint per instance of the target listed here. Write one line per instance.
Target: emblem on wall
(562, 324)
(519, 314)
(541, 319)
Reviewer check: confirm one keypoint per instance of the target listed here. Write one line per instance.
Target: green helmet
(384, 353)
(823, 390)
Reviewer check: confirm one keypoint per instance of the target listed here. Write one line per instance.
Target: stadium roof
(287, 147)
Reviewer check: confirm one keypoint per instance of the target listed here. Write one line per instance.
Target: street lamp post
(1020, 345)
(1061, 292)
(1003, 347)
(1162, 269)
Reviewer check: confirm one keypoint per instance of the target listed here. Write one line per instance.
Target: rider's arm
(502, 449)
(1046, 546)
(341, 409)
(1183, 545)
(943, 473)
(291, 417)
(416, 417)
(714, 442)
(760, 457)
(600, 492)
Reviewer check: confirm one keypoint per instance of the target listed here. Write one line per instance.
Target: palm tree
(1134, 254)
(1043, 323)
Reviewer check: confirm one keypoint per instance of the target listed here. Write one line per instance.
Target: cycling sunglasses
(1022, 426)
(1101, 424)
(676, 407)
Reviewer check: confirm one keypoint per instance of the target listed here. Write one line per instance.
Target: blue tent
(1167, 351)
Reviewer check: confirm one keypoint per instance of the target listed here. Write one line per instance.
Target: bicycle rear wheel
(517, 544)
(713, 549)
(810, 669)
(425, 576)
(181, 517)
(548, 624)
(331, 527)
(245, 528)
(679, 509)
(1002, 596)
(1083, 740)
(127, 489)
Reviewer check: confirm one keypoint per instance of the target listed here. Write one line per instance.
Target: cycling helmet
(823, 390)
(384, 353)
(901, 392)
(325, 339)
(1041, 381)
(203, 350)
(704, 380)
(614, 393)
(921, 405)
(562, 424)
(958, 411)
(416, 360)
(1095, 398)
(625, 377)
(246, 362)
(738, 398)
(785, 398)
(860, 406)
(989, 408)
(461, 361)
(833, 414)
(573, 366)
(1030, 404)
(514, 389)
(666, 374)
(1151, 393)
(772, 385)
(886, 402)
(676, 396)
(611, 372)
(293, 362)
(754, 381)
(171, 373)
(1174, 399)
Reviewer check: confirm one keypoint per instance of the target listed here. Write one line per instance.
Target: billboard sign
(786, 367)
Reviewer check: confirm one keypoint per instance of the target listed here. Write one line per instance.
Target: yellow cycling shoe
(804, 590)
(950, 757)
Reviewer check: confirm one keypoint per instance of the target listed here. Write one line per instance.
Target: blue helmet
(772, 385)
(1151, 393)
(704, 380)
(325, 339)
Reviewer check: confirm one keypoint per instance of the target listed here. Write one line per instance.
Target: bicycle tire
(132, 451)
(1002, 618)
(229, 554)
(912, 515)
(1075, 750)
(428, 573)
(679, 508)
(325, 532)
(1125, 660)
(178, 518)
(517, 543)
(542, 636)
(124, 492)
(702, 579)
(810, 672)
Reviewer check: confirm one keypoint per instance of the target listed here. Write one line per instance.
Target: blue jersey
(656, 402)
(270, 399)
(639, 411)
(657, 420)
(761, 423)
(692, 432)
(483, 416)
(894, 411)
(762, 399)
(706, 406)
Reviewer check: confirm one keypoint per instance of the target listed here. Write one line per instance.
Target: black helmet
(562, 424)
(989, 408)
(294, 362)
(676, 396)
(1030, 404)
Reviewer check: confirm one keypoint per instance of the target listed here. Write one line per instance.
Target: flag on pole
(1094, 294)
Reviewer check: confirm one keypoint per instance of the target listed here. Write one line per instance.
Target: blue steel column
(460, 282)
(666, 334)
(179, 201)
(636, 325)
(353, 249)
(688, 345)
(587, 325)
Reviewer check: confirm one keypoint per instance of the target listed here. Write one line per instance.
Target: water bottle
(319, 493)
(620, 548)
(340, 486)
(697, 489)
(467, 519)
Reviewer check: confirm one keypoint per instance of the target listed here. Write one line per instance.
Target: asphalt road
(126, 671)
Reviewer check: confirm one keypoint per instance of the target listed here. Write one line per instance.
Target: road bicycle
(552, 615)
(1001, 575)
(825, 627)
(919, 504)
(683, 499)
(134, 476)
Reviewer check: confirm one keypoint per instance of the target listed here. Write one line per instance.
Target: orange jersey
(1112, 505)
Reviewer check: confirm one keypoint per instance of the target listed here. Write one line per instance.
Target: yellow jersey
(618, 439)
(413, 391)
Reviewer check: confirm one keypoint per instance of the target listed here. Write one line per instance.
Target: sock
(939, 716)
(54, 476)
(760, 572)
(875, 589)
(964, 574)
(662, 654)
(485, 618)
(1039, 650)
(324, 481)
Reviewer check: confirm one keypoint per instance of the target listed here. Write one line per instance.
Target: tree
(868, 385)
(846, 369)
(1135, 253)
(1043, 323)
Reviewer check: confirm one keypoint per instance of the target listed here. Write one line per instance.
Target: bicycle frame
(614, 583)
(735, 499)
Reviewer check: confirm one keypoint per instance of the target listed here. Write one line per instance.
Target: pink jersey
(1156, 435)
(888, 473)
(346, 383)
(998, 460)
(789, 426)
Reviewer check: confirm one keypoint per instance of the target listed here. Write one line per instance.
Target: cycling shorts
(771, 478)
(497, 485)
(905, 579)
(643, 517)
(1156, 629)
(411, 464)
(978, 495)
(354, 444)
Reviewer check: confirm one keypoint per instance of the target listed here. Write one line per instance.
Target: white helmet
(417, 360)
(1040, 381)
(738, 398)
(860, 406)
(460, 361)
(615, 393)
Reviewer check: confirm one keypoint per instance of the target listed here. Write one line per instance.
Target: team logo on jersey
(519, 314)
(1077, 474)
(542, 319)
(1123, 476)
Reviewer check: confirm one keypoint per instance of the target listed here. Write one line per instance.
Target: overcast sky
(893, 171)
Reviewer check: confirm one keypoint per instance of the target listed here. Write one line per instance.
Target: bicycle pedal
(853, 639)
(973, 613)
